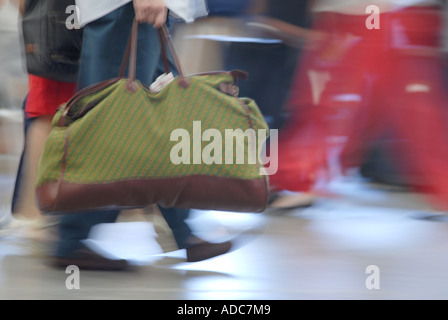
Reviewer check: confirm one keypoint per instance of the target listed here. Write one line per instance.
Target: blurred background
(14, 78)
(363, 158)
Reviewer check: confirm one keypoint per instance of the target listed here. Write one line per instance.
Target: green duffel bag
(194, 144)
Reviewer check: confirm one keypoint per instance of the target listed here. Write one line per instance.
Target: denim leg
(75, 227)
(176, 220)
(104, 44)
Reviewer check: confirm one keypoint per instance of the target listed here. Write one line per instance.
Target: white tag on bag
(161, 82)
(187, 10)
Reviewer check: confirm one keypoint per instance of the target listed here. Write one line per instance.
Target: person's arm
(151, 11)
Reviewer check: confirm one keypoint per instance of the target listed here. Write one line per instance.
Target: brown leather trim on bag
(239, 75)
(165, 43)
(62, 122)
(183, 80)
(229, 89)
(225, 194)
(251, 124)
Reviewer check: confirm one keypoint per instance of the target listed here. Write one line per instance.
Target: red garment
(46, 95)
(370, 80)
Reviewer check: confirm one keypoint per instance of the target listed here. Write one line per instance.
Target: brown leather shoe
(206, 250)
(86, 259)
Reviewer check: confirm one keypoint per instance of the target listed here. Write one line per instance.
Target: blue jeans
(104, 43)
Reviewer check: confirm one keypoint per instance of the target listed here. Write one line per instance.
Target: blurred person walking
(43, 98)
(106, 32)
(368, 75)
(272, 67)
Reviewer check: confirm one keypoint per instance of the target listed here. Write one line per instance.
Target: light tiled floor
(321, 252)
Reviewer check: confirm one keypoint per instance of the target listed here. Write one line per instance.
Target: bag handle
(130, 57)
(165, 40)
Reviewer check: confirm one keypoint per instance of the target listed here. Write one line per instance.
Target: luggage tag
(161, 82)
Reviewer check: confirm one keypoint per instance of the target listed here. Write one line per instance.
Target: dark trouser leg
(75, 227)
(175, 219)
